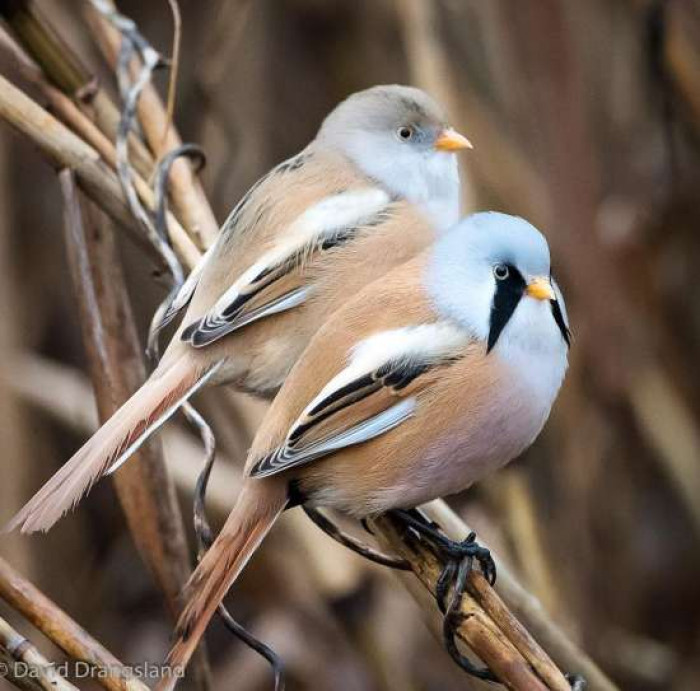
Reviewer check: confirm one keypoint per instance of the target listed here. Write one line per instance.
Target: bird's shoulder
(389, 331)
(287, 190)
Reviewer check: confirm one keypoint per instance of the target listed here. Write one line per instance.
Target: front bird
(367, 194)
(431, 378)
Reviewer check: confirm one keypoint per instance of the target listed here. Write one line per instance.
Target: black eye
(501, 272)
(405, 133)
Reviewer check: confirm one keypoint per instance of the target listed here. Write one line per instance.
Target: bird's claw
(458, 558)
(454, 617)
(469, 548)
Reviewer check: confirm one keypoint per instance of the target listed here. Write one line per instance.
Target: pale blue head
(491, 273)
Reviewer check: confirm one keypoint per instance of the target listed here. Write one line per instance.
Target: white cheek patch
(428, 179)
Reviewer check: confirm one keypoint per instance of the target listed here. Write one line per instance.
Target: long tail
(259, 504)
(112, 444)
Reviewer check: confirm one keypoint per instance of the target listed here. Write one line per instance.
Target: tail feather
(256, 510)
(111, 445)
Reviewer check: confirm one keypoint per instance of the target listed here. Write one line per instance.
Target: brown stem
(25, 666)
(56, 625)
(145, 490)
(527, 608)
(509, 659)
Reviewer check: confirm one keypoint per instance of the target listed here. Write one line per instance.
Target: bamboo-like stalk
(25, 666)
(58, 627)
(117, 370)
(66, 72)
(64, 149)
(501, 642)
(528, 608)
(75, 118)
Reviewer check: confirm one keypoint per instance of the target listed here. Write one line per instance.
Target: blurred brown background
(585, 118)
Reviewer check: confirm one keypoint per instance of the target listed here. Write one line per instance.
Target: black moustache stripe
(509, 292)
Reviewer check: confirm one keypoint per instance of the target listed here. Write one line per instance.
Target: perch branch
(65, 71)
(25, 666)
(510, 660)
(66, 150)
(527, 607)
(58, 627)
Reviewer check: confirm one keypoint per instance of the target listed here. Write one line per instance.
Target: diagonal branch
(58, 627)
(64, 149)
(25, 666)
(517, 660)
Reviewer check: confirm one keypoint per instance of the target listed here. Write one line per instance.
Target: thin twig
(190, 203)
(56, 625)
(25, 666)
(174, 68)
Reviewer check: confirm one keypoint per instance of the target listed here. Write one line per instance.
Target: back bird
(369, 192)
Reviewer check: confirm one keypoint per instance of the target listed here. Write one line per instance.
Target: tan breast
(474, 418)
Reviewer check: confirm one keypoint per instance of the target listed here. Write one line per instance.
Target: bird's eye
(501, 272)
(405, 133)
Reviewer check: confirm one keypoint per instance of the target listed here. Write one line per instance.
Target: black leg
(453, 618)
(332, 530)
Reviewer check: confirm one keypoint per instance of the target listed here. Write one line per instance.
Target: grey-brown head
(401, 137)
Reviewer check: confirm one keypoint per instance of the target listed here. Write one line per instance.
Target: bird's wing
(374, 393)
(184, 295)
(275, 281)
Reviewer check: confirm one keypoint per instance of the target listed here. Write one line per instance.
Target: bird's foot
(454, 616)
(453, 553)
(459, 559)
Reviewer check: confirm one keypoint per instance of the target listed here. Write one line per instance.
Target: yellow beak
(540, 288)
(450, 140)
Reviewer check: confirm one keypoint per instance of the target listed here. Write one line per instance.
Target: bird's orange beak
(540, 288)
(451, 140)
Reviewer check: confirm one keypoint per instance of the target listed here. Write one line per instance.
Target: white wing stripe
(421, 343)
(321, 221)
